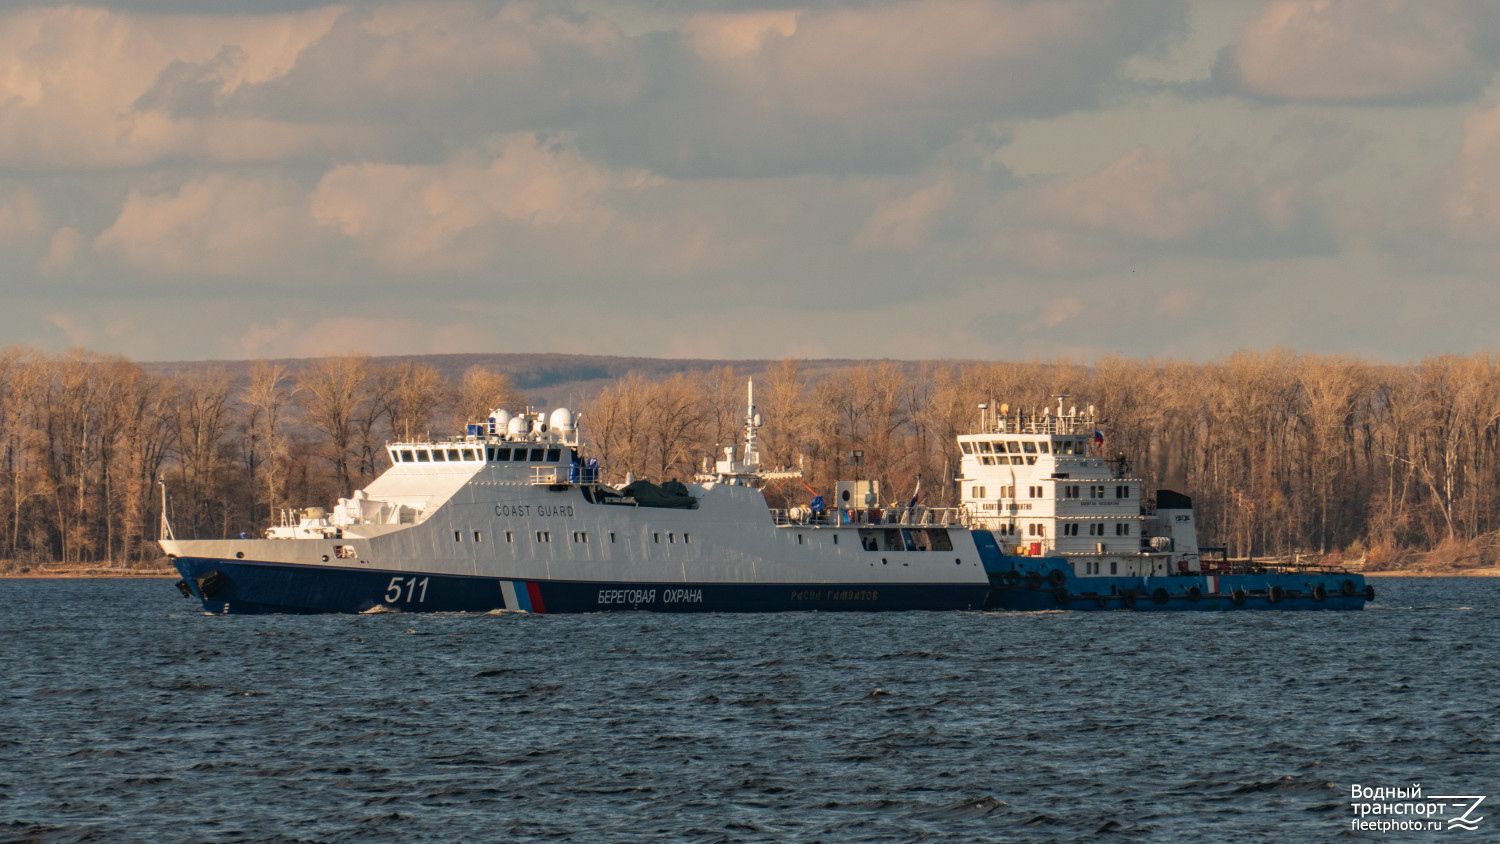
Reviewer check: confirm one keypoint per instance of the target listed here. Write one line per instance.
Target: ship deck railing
(1248, 565)
(558, 475)
(893, 516)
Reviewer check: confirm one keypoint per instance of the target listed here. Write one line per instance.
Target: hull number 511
(415, 588)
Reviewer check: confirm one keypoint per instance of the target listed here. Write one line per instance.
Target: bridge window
(1042, 446)
(1013, 447)
(984, 447)
(468, 454)
(518, 454)
(1028, 447)
(536, 455)
(553, 455)
(968, 448)
(453, 455)
(438, 456)
(406, 455)
(423, 456)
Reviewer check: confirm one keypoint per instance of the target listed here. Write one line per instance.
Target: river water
(125, 714)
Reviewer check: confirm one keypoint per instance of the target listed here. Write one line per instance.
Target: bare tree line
(85, 438)
(1281, 451)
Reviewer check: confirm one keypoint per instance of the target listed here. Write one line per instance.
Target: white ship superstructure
(513, 515)
(1041, 483)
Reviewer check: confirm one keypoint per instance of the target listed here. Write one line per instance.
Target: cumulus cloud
(76, 84)
(1469, 205)
(422, 215)
(906, 223)
(1360, 51)
(61, 251)
(872, 88)
(214, 225)
(1227, 202)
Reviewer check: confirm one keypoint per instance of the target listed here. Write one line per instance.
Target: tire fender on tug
(1127, 599)
(1276, 594)
(1060, 595)
(1319, 593)
(1057, 578)
(1347, 588)
(1194, 593)
(1159, 596)
(1369, 592)
(1238, 596)
(1033, 580)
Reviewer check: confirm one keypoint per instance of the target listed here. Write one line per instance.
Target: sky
(979, 179)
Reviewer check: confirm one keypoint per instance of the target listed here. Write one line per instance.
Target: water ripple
(126, 715)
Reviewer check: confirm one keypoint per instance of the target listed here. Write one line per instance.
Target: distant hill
(547, 380)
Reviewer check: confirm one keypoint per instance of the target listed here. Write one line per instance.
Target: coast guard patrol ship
(512, 516)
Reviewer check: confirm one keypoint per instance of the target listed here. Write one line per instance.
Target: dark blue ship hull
(243, 586)
(1048, 583)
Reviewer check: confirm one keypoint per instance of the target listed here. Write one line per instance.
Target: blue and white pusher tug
(1059, 526)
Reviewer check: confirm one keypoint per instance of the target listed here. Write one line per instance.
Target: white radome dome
(562, 419)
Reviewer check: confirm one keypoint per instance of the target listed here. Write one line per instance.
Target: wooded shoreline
(1283, 453)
